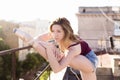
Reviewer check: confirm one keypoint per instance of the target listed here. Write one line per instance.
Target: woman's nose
(55, 34)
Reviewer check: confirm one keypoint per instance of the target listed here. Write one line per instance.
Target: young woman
(72, 51)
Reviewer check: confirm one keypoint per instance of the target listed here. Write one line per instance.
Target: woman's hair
(69, 33)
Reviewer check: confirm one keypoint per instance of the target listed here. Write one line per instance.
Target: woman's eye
(59, 31)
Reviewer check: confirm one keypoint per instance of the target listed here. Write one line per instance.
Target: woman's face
(57, 33)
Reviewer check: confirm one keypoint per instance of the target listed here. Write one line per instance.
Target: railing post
(13, 66)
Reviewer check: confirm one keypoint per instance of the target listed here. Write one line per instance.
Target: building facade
(97, 25)
(6, 33)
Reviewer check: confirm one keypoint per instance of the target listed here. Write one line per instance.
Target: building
(6, 33)
(100, 27)
(97, 25)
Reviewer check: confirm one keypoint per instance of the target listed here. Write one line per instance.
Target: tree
(24, 69)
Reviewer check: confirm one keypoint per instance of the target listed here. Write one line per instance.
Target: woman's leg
(29, 39)
(40, 49)
(88, 76)
(84, 65)
(22, 35)
(36, 44)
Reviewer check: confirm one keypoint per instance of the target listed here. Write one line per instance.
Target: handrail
(13, 58)
(13, 50)
(41, 72)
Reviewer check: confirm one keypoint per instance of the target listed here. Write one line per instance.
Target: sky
(28, 10)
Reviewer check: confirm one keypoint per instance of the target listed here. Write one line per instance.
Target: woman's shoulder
(75, 48)
(73, 44)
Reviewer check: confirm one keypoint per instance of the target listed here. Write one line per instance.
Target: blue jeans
(93, 58)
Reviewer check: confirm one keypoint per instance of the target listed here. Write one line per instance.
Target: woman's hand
(53, 49)
(58, 55)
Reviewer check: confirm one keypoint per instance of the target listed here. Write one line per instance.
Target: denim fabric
(93, 58)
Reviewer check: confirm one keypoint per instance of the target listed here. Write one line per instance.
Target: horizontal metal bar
(14, 50)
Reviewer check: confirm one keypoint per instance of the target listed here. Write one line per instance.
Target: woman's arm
(41, 47)
(65, 61)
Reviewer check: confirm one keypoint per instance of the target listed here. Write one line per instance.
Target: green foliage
(5, 62)
(33, 61)
(45, 75)
(3, 46)
(5, 67)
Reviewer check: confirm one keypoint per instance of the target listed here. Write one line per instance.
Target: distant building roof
(87, 10)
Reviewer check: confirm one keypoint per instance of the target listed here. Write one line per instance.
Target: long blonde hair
(69, 33)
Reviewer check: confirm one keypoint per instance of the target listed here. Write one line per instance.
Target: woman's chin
(57, 41)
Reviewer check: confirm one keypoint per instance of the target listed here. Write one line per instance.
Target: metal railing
(13, 51)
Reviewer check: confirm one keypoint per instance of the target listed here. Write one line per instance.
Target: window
(117, 29)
